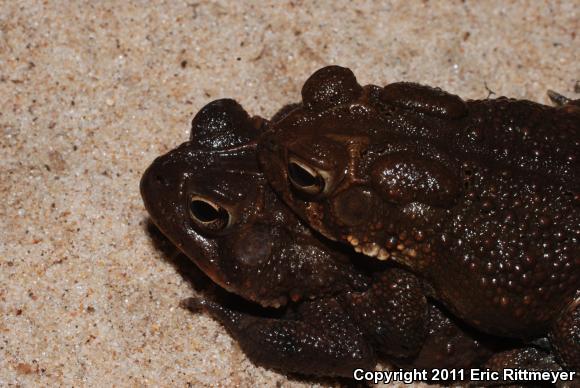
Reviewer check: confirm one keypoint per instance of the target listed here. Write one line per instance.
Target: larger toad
(478, 197)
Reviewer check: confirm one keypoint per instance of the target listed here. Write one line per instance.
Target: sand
(92, 92)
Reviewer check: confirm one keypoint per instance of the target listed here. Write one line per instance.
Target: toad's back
(510, 243)
(523, 134)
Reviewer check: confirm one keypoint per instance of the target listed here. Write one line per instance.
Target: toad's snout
(154, 186)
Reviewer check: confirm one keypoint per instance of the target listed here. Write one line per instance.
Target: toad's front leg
(319, 340)
(412, 331)
(393, 313)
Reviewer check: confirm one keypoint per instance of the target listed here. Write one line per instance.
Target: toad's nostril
(269, 144)
(161, 180)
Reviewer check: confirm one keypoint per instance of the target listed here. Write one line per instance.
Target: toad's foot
(320, 340)
(557, 98)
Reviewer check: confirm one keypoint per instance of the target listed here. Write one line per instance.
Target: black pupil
(203, 211)
(301, 176)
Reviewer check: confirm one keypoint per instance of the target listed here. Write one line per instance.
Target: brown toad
(480, 198)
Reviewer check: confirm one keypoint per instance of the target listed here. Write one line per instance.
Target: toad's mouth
(276, 303)
(369, 249)
(402, 249)
(247, 290)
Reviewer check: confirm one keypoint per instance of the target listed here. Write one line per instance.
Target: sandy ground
(92, 92)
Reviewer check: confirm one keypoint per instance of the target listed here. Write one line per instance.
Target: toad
(333, 314)
(479, 198)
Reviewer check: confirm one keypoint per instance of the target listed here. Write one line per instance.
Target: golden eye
(305, 178)
(208, 215)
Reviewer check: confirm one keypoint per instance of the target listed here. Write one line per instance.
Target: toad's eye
(304, 178)
(208, 215)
